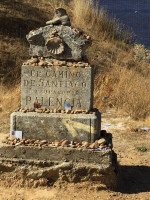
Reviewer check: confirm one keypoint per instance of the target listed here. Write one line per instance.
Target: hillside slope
(121, 70)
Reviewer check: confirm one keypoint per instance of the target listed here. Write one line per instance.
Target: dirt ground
(134, 167)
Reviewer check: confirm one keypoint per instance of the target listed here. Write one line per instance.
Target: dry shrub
(141, 53)
(9, 99)
(131, 92)
(96, 22)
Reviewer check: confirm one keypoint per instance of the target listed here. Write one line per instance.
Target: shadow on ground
(133, 179)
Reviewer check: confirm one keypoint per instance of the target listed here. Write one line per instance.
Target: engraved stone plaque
(54, 86)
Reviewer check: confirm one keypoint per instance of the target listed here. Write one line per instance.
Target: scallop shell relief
(55, 46)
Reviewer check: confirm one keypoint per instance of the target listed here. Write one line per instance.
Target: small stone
(88, 37)
(26, 142)
(38, 110)
(34, 60)
(56, 143)
(56, 63)
(62, 63)
(101, 141)
(85, 144)
(42, 63)
(73, 146)
(86, 112)
(69, 64)
(43, 142)
(11, 138)
(55, 110)
(36, 141)
(78, 111)
(102, 146)
(94, 145)
(65, 143)
(21, 142)
(68, 111)
(44, 145)
(12, 142)
(86, 65)
(78, 144)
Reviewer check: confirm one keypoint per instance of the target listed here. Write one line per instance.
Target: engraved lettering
(26, 82)
(84, 84)
(28, 99)
(61, 74)
(61, 83)
(51, 101)
(78, 74)
(32, 73)
(54, 74)
(48, 74)
(70, 74)
(39, 73)
(76, 84)
(59, 102)
(32, 82)
(54, 83)
(70, 84)
(78, 103)
(47, 84)
(41, 82)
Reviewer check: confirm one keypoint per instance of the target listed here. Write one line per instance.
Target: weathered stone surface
(51, 126)
(71, 47)
(57, 154)
(37, 167)
(54, 86)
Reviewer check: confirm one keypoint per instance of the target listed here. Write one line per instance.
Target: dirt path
(134, 167)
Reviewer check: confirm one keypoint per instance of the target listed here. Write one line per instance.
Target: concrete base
(57, 126)
(35, 165)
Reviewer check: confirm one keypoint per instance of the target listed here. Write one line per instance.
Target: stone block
(57, 126)
(54, 86)
(48, 40)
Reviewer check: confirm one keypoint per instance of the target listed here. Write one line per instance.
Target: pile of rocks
(101, 144)
(47, 62)
(46, 110)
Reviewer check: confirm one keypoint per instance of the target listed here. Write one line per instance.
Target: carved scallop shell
(55, 46)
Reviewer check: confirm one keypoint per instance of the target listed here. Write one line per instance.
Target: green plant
(143, 149)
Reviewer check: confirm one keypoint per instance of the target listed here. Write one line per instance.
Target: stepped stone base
(40, 166)
(57, 126)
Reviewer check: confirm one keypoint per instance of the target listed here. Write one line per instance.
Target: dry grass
(87, 16)
(9, 100)
(131, 92)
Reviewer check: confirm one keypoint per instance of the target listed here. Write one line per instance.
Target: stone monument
(57, 86)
